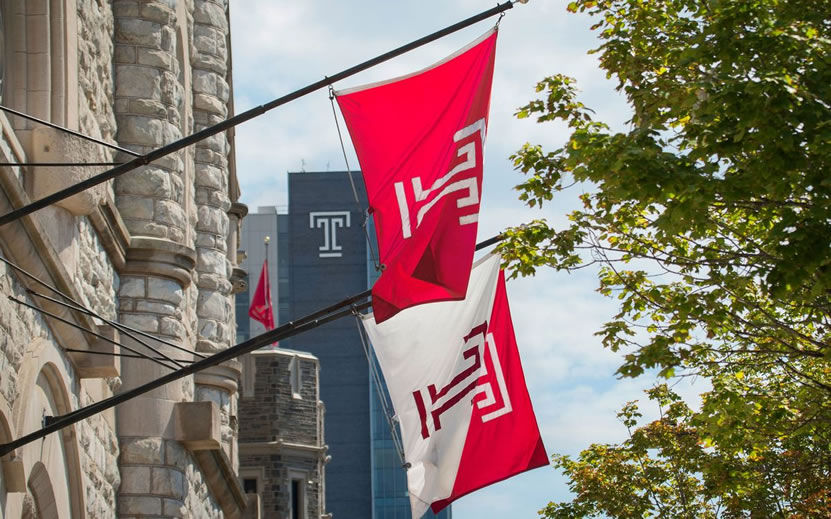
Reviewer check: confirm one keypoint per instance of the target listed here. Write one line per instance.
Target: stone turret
(178, 442)
(152, 249)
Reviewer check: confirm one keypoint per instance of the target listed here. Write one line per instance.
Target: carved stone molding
(239, 280)
(160, 257)
(102, 360)
(25, 243)
(196, 425)
(198, 430)
(235, 215)
(50, 145)
(238, 209)
(14, 476)
(222, 481)
(224, 376)
(112, 232)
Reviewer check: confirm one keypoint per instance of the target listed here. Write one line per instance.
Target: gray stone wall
(281, 433)
(26, 338)
(148, 104)
(18, 327)
(215, 309)
(275, 491)
(274, 412)
(99, 454)
(166, 480)
(97, 277)
(95, 71)
(168, 66)
(148, 249)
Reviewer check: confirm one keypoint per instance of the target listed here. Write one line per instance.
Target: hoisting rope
(380, 390)
(361, 210)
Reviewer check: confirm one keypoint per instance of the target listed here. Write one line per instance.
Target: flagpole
(265, 242)
(290, 329)
(227, 124)
(268, 284)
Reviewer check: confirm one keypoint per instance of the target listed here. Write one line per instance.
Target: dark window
(295, 499)
(249, 485)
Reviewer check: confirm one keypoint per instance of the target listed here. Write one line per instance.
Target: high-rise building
(329, 252)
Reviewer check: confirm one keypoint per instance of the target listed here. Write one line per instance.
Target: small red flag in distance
(260, 308)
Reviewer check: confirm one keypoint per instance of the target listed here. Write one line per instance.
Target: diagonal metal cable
(139, 356)
(379, 389)
(361, 210)
(130, 332)
(75, 305)
(93, 314)
(95, 334)
(67, 130)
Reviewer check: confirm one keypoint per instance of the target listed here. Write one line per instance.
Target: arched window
(44, 391)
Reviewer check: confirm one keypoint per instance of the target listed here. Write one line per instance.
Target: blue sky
(279, 46)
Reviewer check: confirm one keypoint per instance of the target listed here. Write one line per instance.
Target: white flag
(455, 380)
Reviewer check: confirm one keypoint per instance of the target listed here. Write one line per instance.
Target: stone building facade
(154, 249)
(281, 445)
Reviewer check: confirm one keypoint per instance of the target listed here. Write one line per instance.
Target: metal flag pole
(210, 131)
(290, 329)
(268, 283)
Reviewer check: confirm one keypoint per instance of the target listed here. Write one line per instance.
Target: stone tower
(155, 249)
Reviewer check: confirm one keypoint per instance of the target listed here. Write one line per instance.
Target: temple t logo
(330, 221)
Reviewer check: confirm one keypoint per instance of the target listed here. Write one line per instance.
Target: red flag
(454, 375)
(420, 141)
(261, 302)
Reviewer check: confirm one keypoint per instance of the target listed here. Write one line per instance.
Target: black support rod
(290, 329)
(173, 147)
(70, 132)
(280, 333)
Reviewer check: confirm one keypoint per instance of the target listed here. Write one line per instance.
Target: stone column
(215, 330)
(153, 297)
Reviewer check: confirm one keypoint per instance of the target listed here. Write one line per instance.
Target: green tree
(666, 469)
(710, 219)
